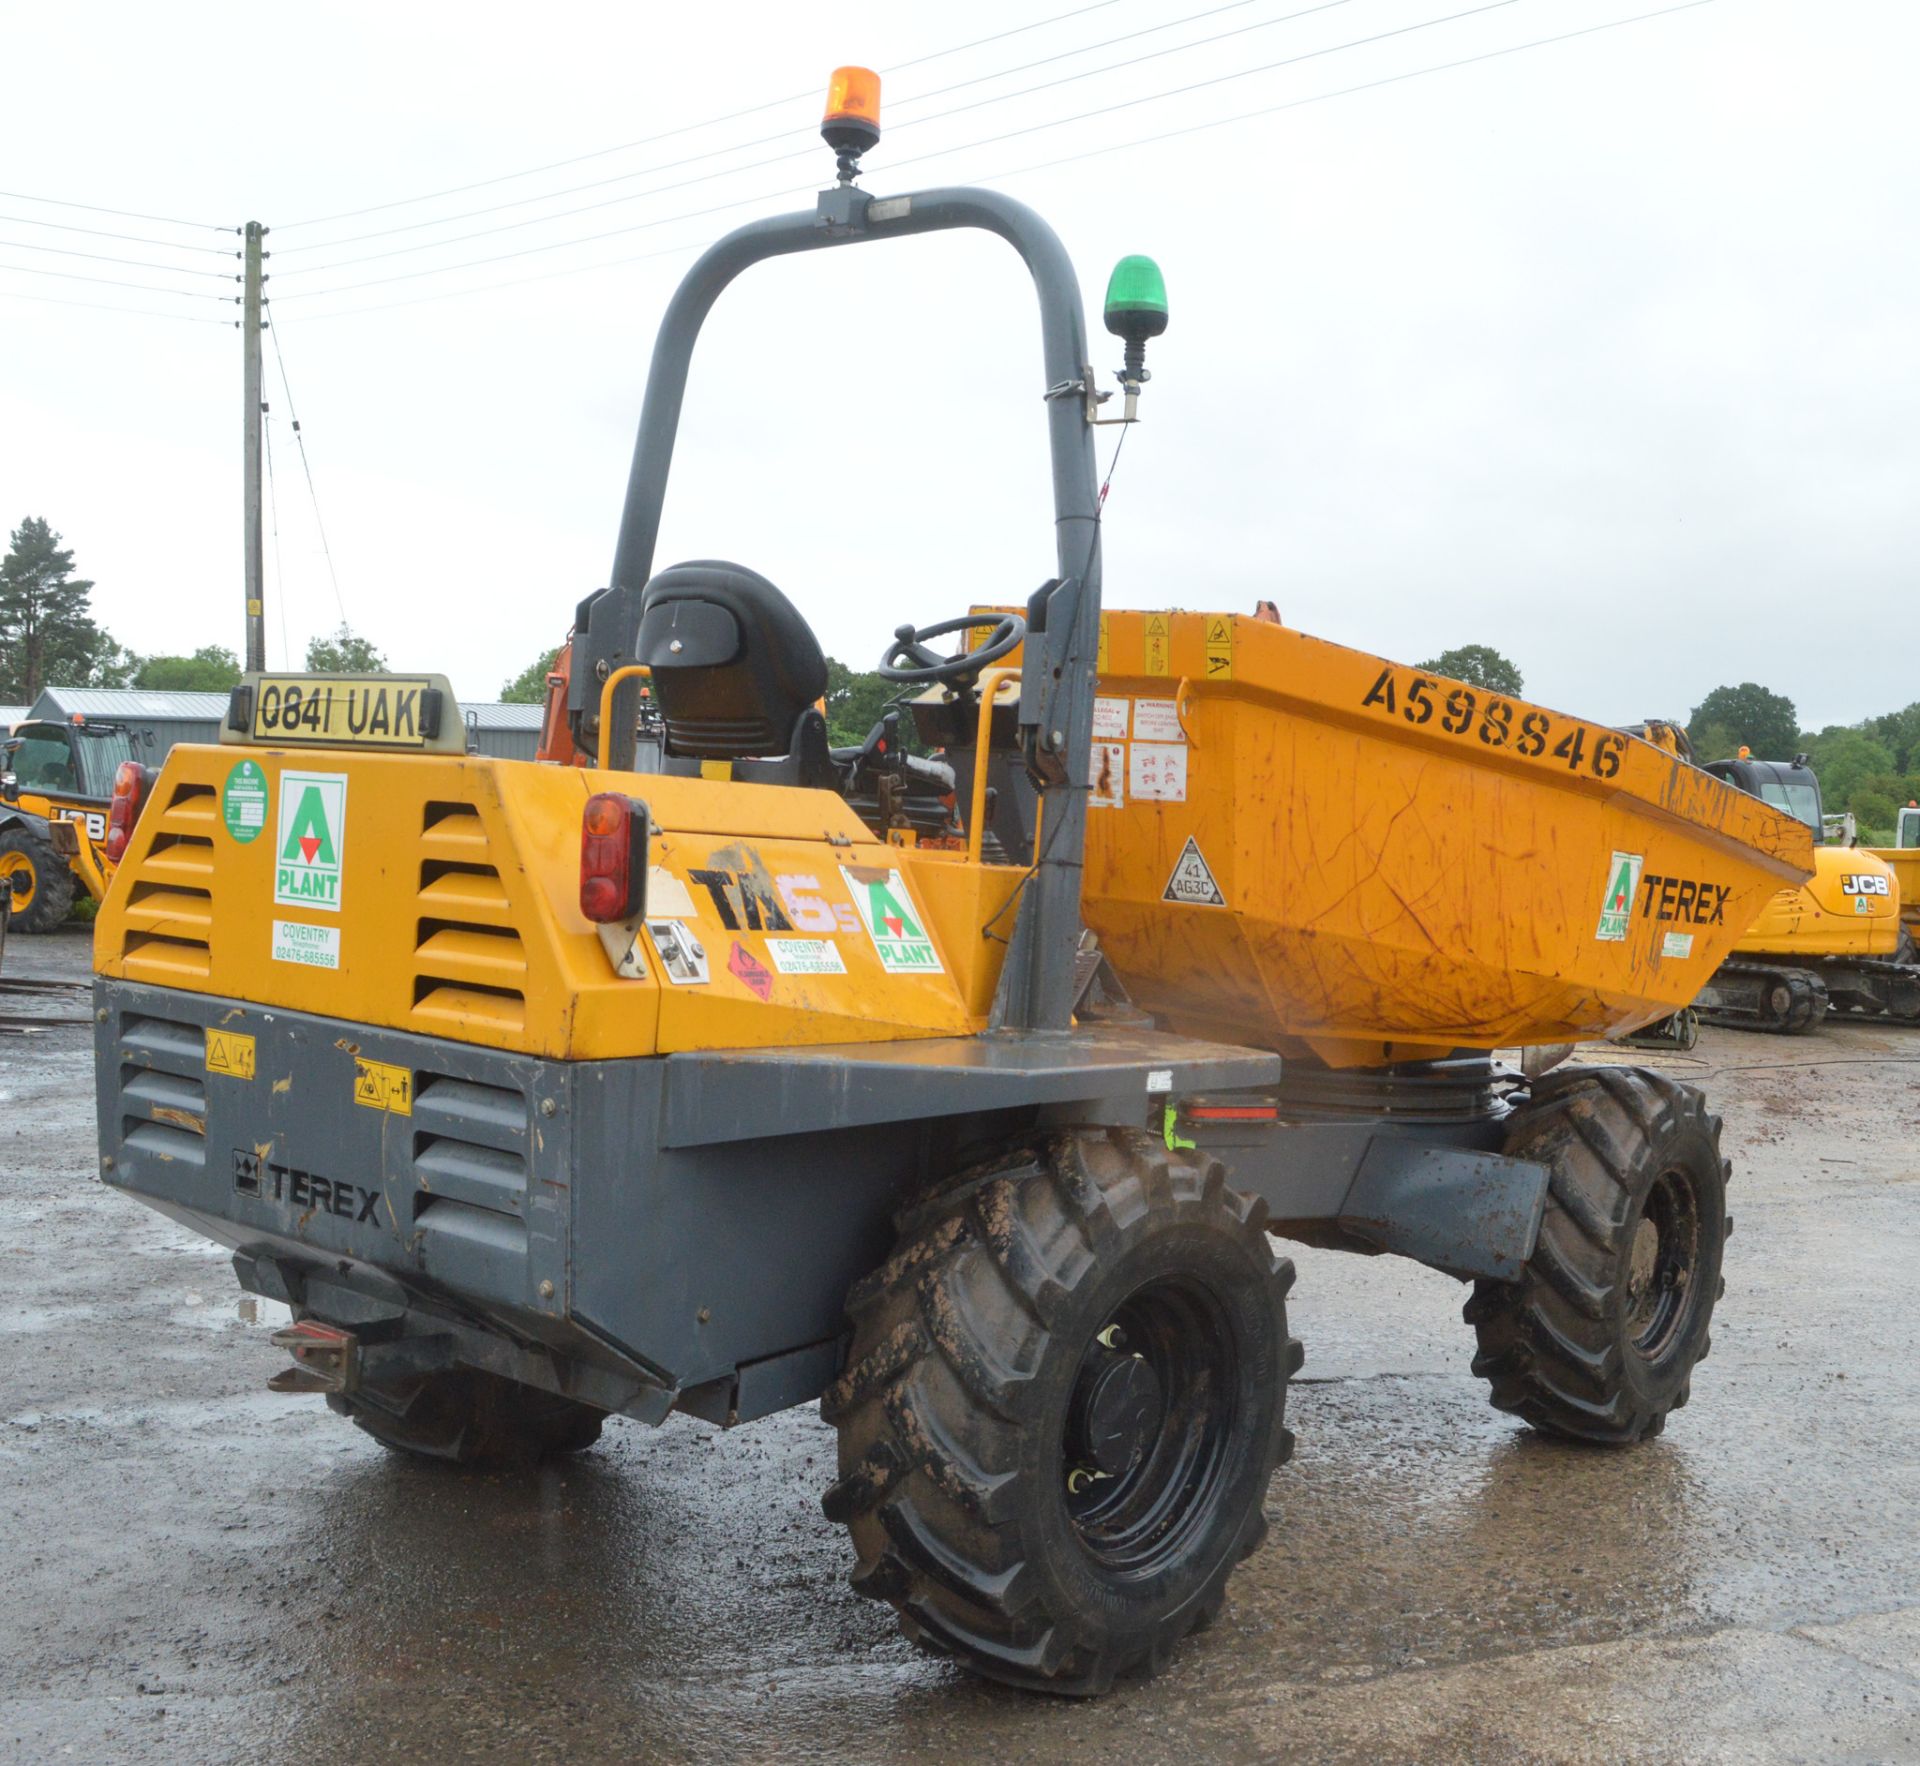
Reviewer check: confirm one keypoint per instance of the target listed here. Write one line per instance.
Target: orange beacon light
(852, 122)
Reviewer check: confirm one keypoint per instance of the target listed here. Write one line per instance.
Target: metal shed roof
(493, 715)
(60, 703)
(11, 715)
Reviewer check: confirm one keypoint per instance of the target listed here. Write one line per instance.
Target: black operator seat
(736, 673)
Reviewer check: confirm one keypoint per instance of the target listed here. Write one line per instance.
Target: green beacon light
(1136, 309)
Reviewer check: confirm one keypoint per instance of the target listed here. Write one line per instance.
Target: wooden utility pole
(250, 455)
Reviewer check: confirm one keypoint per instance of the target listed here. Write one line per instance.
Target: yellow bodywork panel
(89, 819)
(1904, 862)
(1850, 907)
(1300, 846)
(440, 894)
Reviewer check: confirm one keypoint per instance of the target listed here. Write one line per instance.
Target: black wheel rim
(1149, 1427)
(1663, 1259)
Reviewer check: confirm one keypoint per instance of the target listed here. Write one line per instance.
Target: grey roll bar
(1036, 986)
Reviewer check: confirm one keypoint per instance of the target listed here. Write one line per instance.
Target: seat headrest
(734, 663)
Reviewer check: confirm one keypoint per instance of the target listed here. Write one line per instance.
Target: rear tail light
(130, 787)
(613, 857)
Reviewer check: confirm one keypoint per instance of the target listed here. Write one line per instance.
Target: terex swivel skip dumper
(782, 1072)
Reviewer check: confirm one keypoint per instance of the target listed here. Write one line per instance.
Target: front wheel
(1062, 1406)
(1599, 1338)
(41, 883)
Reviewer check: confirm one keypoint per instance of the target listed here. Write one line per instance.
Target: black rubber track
(472, 1418)
(951, 1408)
(1772, 997)
(53, 882)
(1556, 1347)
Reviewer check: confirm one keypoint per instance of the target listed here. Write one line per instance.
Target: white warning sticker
(1677, 944)
(1158, 770)
(1110, 720)
(1157, 720)
(1109, 776)
(1192, 882)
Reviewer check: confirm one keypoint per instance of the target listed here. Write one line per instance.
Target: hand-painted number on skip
(1493, 722)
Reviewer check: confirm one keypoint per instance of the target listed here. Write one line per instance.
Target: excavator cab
(1790, 785)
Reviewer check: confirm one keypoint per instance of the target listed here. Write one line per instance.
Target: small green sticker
(243, 803)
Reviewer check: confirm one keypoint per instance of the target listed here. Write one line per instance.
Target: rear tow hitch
(325, 1358)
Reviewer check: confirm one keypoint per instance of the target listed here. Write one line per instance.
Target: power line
(125, 214)
(1417, 73)
(914, 159)
(112, 282)
(306, 466)
(52, 300)
(107, 233)
(1067, 159)
(683, 128)
(102, 258)
(801, 152)
(767, 140)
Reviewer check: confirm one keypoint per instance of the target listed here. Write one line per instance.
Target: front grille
(470, 1167)
(169, 920)
(163, 1088)
(470, 966)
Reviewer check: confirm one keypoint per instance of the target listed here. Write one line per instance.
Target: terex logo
(254, 1176)
(1683, 898)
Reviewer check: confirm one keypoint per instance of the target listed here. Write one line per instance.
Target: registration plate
(344, 711)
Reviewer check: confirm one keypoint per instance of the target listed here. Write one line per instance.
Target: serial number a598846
(1472, 715)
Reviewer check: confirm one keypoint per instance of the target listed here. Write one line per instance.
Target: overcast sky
(1605, 353)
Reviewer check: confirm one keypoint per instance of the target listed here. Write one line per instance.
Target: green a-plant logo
(312, 840)
(887, 912)
(1616, 904)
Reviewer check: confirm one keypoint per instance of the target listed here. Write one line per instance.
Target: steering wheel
(909, 662)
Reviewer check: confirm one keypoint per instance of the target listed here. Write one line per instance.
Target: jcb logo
(1864, 883)
(90, 819)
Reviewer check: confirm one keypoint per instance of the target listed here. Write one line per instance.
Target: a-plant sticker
(243, 802)
(887, 911)
(311, 841)
(1616, 905)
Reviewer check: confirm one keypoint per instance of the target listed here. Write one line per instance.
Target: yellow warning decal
(230, 1052)
(1219, 648)
(381, 1086)
(1158, 659)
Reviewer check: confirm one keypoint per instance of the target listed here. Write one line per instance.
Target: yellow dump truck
(782, 1071)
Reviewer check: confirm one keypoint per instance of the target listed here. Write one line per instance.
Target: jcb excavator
(1832, 945)
(771, 1072)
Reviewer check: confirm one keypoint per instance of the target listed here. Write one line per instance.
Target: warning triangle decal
(1192, 883)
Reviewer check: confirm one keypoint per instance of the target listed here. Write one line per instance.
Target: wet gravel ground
(193, 1569)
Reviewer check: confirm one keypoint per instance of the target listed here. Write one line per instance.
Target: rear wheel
(471, 1418)
(1598, 1339)
(42, 900)
(1062, 1406)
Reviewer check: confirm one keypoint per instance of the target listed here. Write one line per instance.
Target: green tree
(47, 633)
(343, 652)
(113, 666)
(210, 669)
(1846, 760)
(856, 701)
(529, 686)
(1479, 665)
(1713, 741)
(1752, 716)
(1899, 731)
